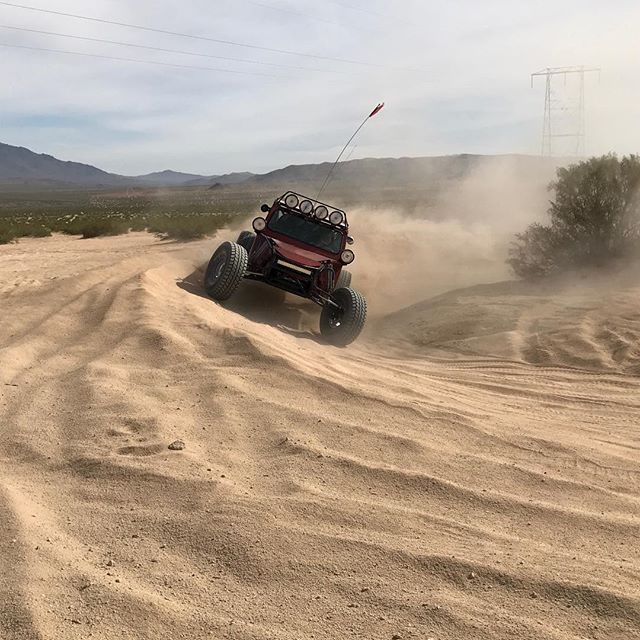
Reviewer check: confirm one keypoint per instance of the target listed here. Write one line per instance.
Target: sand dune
(584, 321)
(469, 469)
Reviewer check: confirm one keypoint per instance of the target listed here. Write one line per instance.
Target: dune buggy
(299, 246)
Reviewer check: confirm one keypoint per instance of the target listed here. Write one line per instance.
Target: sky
(454, 76)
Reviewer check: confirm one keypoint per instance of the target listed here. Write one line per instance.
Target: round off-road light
(291, 201)
(347, 256)
(306, 206)
(337, 217)
(322, 212)
(259, 224)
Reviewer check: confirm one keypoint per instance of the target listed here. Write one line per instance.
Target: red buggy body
(300, 246)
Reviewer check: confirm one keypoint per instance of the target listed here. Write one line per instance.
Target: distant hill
(166, 178)
(21, 166)
(226, 179)
(381, 178)
(393, 172)
(414, 184)
(170, 178)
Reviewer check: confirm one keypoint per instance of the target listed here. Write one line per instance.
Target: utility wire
(188, 35)
(347, 24)
(350, 6)
(294, 12)
(142, 46)
(162, 64)
(378, 14)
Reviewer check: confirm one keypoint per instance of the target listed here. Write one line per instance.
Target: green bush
(7, 235)
(23, 228)
(177, 226)
(595, 219)
(180, 214)
(97, 228)
(35, 231)
(189, 227)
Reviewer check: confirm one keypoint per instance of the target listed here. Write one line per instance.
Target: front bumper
(307, 282)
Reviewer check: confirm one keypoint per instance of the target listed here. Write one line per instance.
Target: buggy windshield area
(305, 230)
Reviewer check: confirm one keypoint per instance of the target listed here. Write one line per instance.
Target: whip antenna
(333, 166)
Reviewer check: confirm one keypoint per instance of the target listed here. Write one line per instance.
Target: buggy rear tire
(344, 279)
(245, 239)
(225, 270)
(342, 325)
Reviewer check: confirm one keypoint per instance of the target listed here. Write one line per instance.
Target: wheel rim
(335, 318)
(216, 268)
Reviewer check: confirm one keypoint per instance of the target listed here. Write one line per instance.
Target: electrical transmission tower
(571, 123)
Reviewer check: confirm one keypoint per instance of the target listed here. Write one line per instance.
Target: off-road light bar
(259, 224)
(337, 217)
(347, 256)
(306, 206)
(322, 212)
(291, 201)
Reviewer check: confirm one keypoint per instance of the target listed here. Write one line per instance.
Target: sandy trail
(323, 492)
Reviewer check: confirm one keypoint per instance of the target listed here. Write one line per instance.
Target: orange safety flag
(378, 108)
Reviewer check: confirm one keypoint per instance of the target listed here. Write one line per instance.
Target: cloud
(454, 76)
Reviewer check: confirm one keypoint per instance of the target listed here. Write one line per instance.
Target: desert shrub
(7, 235)
(180, 214)
(533, 252)
(186, 227)
(23, 227)
(138, 223)
(170, 225)
(34, 231)
(95, 227)
(595, 219)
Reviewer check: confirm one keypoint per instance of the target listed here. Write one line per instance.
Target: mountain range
(20, 167)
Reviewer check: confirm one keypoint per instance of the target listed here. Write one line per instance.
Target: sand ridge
(587, 322)
(366, 492)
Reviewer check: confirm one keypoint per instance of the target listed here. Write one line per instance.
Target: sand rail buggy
(298, 247)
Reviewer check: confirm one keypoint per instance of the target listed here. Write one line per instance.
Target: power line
(313, 18)
(378, 14)
(162, 64)
(369, 11)
(294, 12)
(142, 46)
(188, 35)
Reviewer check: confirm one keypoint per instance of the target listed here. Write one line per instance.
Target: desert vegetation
(595, 219)
(181, 214)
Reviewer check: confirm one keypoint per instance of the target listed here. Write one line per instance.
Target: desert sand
(469, 469)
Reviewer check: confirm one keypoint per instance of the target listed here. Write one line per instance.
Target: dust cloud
(403, 257)
(401, 260)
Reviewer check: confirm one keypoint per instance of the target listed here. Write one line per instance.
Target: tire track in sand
(322, 492)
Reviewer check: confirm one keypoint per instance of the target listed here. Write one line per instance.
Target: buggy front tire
(341, 323)
(225, 270)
